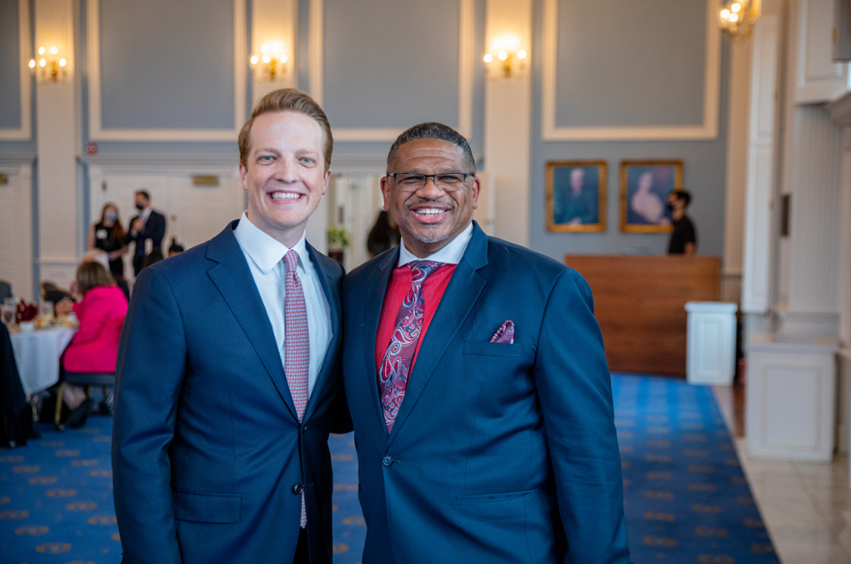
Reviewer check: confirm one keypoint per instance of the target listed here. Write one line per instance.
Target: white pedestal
(711, 352)
(791, 397)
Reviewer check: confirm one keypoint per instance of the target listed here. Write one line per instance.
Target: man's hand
(138, 225)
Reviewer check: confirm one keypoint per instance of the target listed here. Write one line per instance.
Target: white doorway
(197, 204)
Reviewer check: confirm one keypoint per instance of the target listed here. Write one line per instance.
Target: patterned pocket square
(505, 334)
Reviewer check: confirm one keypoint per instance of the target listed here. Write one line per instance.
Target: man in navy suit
(228, 379)
(149, 224)
(477, 383)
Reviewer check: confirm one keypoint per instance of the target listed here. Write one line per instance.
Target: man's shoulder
(325, 264)
(370, 267)
(199, 257)
(505, 253)
(183, 263)
(532, 269)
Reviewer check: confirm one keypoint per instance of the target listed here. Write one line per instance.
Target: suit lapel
(373, 302)
(323, 272)
(461, 294)
(233, 279)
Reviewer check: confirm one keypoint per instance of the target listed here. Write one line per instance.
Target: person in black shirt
(684, 237)
(108, 235)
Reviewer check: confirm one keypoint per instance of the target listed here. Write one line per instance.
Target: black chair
(85, 379)
(16, 415)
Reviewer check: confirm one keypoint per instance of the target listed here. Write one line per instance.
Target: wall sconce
(49, 67)
(506, 56)
(271, 64)
(738, 17)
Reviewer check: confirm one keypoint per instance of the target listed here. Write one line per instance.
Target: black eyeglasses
(446, 181)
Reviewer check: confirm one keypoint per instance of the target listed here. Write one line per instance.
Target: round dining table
(37, 355)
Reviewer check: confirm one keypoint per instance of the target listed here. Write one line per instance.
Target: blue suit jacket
(207, 447)
(501, 453)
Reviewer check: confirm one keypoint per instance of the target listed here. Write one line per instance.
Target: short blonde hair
(287, 100)
(92, 275)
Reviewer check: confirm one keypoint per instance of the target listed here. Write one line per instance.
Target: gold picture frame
(576, 196)
(645, 185)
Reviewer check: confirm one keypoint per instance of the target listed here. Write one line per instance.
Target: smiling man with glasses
(500, 447)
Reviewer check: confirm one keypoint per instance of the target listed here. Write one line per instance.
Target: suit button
(298, 488)
(388, 461)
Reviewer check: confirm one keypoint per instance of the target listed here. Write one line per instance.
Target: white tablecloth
(37, 354)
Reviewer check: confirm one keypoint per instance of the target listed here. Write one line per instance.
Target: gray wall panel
(704, 166)
(10, 70)
(628, 63)
(167, 65)
(390, 64)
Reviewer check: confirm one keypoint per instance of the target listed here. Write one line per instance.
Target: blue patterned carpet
(687, 500)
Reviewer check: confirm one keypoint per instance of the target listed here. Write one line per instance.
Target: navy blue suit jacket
(500, 453)
(207, 449)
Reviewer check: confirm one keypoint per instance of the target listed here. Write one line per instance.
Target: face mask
(670, 206)
(111, 216)
(140, 207)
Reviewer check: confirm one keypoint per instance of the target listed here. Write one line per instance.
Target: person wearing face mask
(149, 224)
(108, 235)
(684, 236)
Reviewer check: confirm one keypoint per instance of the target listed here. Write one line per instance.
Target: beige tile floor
(806, 507)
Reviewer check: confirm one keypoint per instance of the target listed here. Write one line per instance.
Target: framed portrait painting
(645, 186)
(576, 196)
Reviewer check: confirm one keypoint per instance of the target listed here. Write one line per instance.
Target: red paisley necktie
(396, 366)
(296, 344)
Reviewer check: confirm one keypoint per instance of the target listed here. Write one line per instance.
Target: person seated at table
(5, 290)
(153, 257)
(102, 258)
(175, 248)
(94, 349)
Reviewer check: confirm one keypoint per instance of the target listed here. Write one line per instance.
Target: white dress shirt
(450, 254)
(265, 260)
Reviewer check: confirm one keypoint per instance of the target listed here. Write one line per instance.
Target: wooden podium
(640, 301)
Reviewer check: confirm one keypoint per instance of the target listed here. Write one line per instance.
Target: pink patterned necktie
(296, 344)
(396, 365)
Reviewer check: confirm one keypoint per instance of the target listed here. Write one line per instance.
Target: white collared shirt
(146, 213)
(265, 260)
(450, 254)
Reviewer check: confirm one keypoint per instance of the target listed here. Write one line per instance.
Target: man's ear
(385, 192)
(475, 189)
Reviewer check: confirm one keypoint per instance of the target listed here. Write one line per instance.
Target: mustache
(437, 201)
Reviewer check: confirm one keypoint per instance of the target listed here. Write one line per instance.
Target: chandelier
(49, 67)
(271, 64)
(738, 17)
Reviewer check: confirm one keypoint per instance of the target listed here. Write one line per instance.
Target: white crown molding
(24, 132)
(711, 96)
(179, 164)
(98, 133)
(466, 58)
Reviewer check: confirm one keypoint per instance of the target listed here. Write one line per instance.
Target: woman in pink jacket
(101, 313)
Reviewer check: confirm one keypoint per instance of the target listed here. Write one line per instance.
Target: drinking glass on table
(45, 309)
(8, 314)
